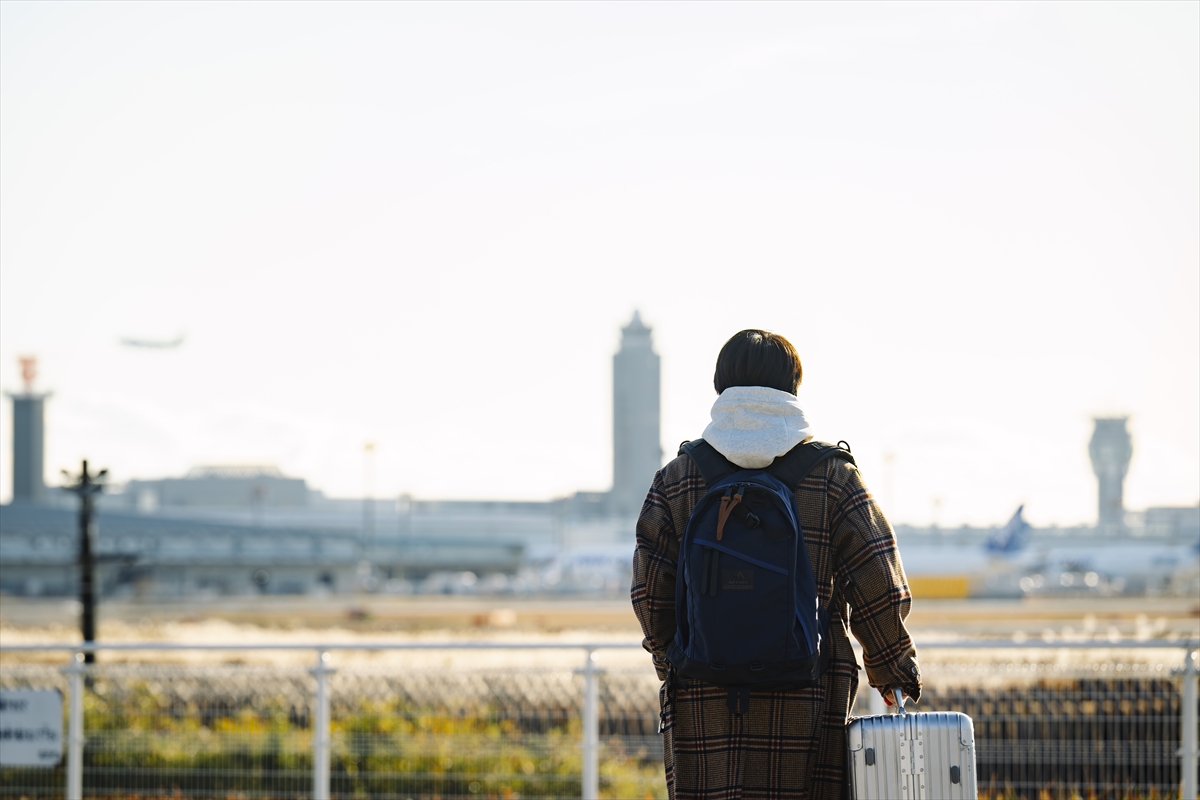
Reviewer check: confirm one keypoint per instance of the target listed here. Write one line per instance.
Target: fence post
(321, 738)
(75, 671)
(591, 727)
(1187, 736)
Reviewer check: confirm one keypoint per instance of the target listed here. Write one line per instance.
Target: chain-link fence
(421, 730)
(1094, 722)
(1106, 723)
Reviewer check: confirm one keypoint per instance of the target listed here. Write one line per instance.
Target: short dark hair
(758, 358)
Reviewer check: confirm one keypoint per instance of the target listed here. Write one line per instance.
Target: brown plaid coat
(791, 744)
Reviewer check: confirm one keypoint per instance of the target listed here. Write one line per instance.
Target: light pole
(368, 524)
(86, 487)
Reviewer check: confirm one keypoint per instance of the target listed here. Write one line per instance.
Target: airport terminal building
(244, 530)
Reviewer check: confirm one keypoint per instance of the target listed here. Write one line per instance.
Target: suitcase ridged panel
(913, 755)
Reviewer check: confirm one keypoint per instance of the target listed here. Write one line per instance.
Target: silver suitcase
(902, 756)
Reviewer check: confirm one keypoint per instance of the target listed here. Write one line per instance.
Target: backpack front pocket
(738, 604)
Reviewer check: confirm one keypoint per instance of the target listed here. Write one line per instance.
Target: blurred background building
(256, 486)
(637, 445)
(245, 529)
(1111, 450)
(29, 438)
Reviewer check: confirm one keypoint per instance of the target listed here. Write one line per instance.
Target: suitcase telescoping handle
(899, 695)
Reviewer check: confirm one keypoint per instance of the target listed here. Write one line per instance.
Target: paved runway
(367, 614)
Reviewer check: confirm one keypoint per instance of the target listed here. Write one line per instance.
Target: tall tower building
(1110, 449)
(29, 439)
(637, 449)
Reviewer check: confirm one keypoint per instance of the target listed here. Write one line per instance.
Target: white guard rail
(76, 670)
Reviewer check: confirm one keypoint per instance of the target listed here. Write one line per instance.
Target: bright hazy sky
(423, 225)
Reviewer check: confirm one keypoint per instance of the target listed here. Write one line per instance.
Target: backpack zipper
(710, 572)
(728, 502)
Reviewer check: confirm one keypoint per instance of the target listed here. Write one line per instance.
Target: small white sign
(31, 727)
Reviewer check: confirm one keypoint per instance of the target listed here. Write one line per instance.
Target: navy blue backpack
(746, 607)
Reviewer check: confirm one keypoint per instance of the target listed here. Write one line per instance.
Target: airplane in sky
(154, 344)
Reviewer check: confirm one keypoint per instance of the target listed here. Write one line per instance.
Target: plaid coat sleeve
(655, 559)
(871, 579)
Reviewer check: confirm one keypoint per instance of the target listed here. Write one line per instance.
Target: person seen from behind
(770, 728)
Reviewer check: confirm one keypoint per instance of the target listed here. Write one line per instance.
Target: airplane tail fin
(1012, 536)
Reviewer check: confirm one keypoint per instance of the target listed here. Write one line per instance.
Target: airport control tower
(29, 438)
(1111, 449)
(637, 448)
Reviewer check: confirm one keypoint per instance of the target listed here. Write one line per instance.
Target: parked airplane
(590, 568)
(1011, 563)
(1113, 567)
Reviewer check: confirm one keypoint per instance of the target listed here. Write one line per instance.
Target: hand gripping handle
(899, 695)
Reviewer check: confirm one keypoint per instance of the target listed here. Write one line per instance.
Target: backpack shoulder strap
(795, 464)
(713, 466)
